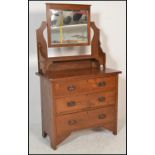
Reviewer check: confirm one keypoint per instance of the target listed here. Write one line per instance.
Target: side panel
(48, 111)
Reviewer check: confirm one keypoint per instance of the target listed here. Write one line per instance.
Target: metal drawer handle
(72, 122)
(101, 116)
(101, 99)
(101, 84)
(71, 103)
(71, 88)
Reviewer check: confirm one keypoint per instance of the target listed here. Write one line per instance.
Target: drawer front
(85, 119)
(101, 84)
(82, 86)
(79, 102)
(71, 122)
(70, 87)
(102, 115)
(101, 99)
(71, 104)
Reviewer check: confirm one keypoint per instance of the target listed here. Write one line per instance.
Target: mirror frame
(66, 7)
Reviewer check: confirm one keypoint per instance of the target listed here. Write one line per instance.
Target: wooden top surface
(79, 73)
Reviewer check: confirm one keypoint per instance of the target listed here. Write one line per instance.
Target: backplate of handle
(71, 103)
(72, 122)
(101, 116)
(101, 84)
(101, 98)
(71, 88)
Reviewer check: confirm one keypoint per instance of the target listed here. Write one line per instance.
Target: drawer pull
(72, 122)
(71, 88)
(71, 103)
(101, 84)
(101, 116)
(101, 99)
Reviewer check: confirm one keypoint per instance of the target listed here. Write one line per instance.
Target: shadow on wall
(104, 45)
(34, 96)
(112, 62)
(35, 20)
(103, 39)
(121, 103)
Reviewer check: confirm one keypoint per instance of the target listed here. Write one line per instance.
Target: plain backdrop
(110, 18)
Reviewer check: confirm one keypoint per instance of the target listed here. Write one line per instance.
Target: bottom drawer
(71, 122)
(102, 115)
(85, 119)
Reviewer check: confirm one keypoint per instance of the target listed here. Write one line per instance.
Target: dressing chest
(77, 92)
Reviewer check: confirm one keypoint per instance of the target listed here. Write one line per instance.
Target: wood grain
(76, 103)
(87, 119)
(84, 85)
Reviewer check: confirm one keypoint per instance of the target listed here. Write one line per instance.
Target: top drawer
(63, 88)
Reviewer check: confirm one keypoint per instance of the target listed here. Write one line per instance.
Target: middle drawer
(79, 102)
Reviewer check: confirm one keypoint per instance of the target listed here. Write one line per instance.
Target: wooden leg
(115, 129)
(53, 145)
(115, 132)
(44, 134)
(112, 127)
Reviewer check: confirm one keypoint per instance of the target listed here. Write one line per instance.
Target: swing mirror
(68, 25)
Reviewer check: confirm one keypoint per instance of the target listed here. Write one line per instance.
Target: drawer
(79, 102)
(102, 115)
(71, 104)
(85, 119)
(101, 84)
(82, 86)
(70, 87)
(71, 122)
(102, 99)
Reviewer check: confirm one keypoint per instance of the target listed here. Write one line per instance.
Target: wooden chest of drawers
(77, 92)
(75, 101)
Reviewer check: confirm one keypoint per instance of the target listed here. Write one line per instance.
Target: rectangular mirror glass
(68, 27)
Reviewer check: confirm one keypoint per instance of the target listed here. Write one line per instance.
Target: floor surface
(89, 141)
